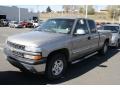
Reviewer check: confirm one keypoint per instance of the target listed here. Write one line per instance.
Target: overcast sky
(41, 8)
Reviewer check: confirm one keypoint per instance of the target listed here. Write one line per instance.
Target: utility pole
(119, 19)
(119, 15)
(19, 14)
(86, 11)
(114, 16)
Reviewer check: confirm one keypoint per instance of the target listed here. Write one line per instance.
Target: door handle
(89, 37)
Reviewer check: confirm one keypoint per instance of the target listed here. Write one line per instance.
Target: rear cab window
(92, 26)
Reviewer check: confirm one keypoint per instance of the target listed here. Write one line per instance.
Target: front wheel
(104, 49)
(56, 66)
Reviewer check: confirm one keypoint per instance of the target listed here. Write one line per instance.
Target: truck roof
(70, 17)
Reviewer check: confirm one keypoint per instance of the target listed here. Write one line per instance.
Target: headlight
(33, 49)
(33, 57)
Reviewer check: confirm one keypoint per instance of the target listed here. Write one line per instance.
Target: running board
(81, 59)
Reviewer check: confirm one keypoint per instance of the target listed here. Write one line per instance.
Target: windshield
(57, 26)
(114, 29)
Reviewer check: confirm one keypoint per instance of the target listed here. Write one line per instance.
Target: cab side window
(81, 24)
(92, 26)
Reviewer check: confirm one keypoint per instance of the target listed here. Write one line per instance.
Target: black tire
(23, 70)
(50, 72)
(117, 44)
(104, 49)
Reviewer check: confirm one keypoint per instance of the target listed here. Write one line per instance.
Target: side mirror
(80, 32)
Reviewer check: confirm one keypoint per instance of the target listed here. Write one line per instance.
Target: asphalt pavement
(96, 70)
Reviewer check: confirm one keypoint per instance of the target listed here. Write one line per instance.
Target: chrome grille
(16, 46)
(19, 54)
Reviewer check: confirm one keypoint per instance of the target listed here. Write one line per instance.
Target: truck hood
(36, 38)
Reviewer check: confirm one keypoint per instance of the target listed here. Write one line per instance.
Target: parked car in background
(15, 24)
(24, 24)
(35, 23)
(4, 22)
(115, 30)
(57, 42)
(29, 25)
(19, 26)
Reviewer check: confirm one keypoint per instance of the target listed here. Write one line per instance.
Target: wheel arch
(107, 40)
(64, 51)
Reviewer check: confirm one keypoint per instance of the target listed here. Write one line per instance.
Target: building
(12, 13)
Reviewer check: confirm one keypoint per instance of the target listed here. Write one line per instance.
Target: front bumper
(23, 63)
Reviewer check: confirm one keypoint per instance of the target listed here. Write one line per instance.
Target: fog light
(36, 57)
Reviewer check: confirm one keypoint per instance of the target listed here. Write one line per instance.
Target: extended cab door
(80, 43)
(94, 35)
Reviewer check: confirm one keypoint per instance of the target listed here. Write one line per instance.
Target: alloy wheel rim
(57, 67)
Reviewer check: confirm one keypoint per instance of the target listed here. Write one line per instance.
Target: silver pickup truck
(57, 42)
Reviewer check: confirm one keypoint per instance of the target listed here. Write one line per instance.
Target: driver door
(80, 42)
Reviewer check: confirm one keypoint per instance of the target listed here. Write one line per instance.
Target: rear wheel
(104, 49)
(56, 66)
(117, 44)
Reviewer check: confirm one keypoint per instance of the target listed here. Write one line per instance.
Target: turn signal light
(36, 57)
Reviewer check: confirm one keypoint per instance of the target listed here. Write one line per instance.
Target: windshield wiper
(47, 30)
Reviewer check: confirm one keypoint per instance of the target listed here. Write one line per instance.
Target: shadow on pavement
(76, 70)
(19, 78)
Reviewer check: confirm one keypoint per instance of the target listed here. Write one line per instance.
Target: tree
(114, 11)
(81, 10)
(71, 8)
(91, 10)
(48, 9)
(66, 8)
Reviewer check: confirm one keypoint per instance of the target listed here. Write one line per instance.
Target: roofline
(71, 18)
